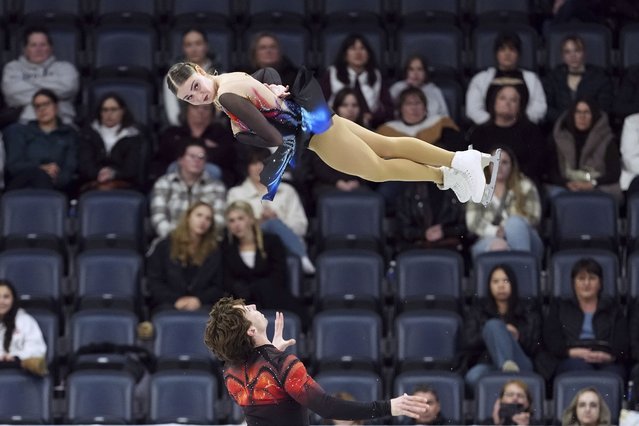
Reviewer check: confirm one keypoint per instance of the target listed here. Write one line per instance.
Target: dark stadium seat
(440, 44)
(597, 40)
(632, 223)
(295, 278)
(220, 8)
(609, 385)
(483, 42)
(429, 10)
(524, 265)
(49, 324)
(127, 9)
(125, 47)
(490, 385)
(628, 42)
(295, 40)
(502, 10)
(178, 396)
(99, 397)
(292, 329)
(25, 398)
(453, 95)
(632, 274)
(27, 9)
(562, 262)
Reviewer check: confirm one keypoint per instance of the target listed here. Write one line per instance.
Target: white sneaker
(455, 180)
(510, 366)
(469, 163)
(307, 266)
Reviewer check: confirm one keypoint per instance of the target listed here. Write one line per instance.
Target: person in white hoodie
(37, 68)
(21, 340)
(485, 84)
(630, 155)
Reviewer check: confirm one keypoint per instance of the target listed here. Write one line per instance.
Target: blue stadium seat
(25, 398)
(179, 342)
(349, 277)
(127, 9)
(292, 329)
(632, 219)
(629, 40)
(34, 218)
(108, 278)
(597, 40)
(440, 44)
(46, 9)
(429, 279)
(125, 48)
(176, 8)
(502, 10)
(490, 385)
(483, 41)
(295, 40)
(112, 219)
(632, 273)
(562, 262)
(524, 265)
(609, 385)
(139, 95)
(429, 10)
(275, 10)
(571, 228)
(221, 40)
(49, 324)
(333, 333)
(336, 8)
(449, 387)
(295, 278)
(178, 396)
(453, 95)
(95, 396)
(36, 274)
(426, 339)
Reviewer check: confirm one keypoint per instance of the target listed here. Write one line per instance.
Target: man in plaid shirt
(173, 193)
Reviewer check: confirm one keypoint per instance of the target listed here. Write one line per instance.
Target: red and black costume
(273, 388)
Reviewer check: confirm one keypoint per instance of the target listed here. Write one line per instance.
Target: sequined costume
(303, 115)
(273, 388)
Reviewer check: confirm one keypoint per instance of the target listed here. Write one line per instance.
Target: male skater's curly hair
(226, 331)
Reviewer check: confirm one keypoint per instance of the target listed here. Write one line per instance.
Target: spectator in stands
(284, 217)
(416, 75)
(42, 153)
(347, 104)
(484, 85)
(185, 270)
(565, 11)
(200, 126)
(21, 341)
(587, 408)
(627, 98)
(432, 415)
(346, 396)
(514, 405)
(173, 193)
(112, 148)
(584, 155)
(266, 51)
(255, 267)
(574, 79)
(355, 66)
(509, 127)
(630, 155)
(37, 68)
(502, 330)
(509, 221)
(586, 331)
(195, 48)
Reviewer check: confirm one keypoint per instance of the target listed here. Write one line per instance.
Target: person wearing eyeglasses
(173, 193)
(111, 148)
(43, 153)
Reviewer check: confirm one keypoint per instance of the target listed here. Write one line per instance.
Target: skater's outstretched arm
(257, 130)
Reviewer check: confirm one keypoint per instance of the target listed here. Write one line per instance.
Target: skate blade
(490, 186)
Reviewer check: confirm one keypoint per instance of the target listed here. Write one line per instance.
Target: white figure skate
(471, 164)
(455, 180)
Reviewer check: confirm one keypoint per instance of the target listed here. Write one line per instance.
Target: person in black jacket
(575, 79)
(112, 148)
(627, 99)
(587, 331)
(255, 267)
(185, 270)
(502, 331)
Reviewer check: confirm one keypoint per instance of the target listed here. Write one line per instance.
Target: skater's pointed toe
(469, 163)
(455, 180)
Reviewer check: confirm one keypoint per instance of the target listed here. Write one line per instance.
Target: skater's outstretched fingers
(408, 405)
(278, 340)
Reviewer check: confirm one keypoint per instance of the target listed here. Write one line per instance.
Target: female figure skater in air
(264, 113)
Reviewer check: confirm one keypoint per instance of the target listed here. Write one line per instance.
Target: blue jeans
(291, 241)
(501, 346)
(519, 235)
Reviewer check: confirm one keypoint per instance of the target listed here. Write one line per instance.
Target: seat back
(100, 396)
(597, 40)
(24, 398)
(33, 211)
(178, 336)
(182, 397)
(628, 40)
(484, 41)
(49, 324)
(120, 46)
(440, 44)
(96, 326)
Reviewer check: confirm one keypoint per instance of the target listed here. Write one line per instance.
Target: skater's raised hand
(408, 405)
(278, 341)
(279, 90)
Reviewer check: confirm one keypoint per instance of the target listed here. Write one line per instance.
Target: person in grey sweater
(37, 68)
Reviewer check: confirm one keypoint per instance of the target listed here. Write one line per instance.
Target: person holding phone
(513, 407)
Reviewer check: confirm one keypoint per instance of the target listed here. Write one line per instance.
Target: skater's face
(514, 394)
(194, 47)
(6, 300)
(111, 113)
(256, 318)
(587, 285)
(573, 55)
(239, 224)
(357, 55)
(37, 49)
(349, 108)
(507, 58)
(415, 73)
(432, 408)
(507, 103)
(200, 220)
(267, 52)
(46, 109)
(505, 167)
(500, 286)
(588, 409)
(583, 117)
(197, 89)
(412, 110)
(193, 161)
